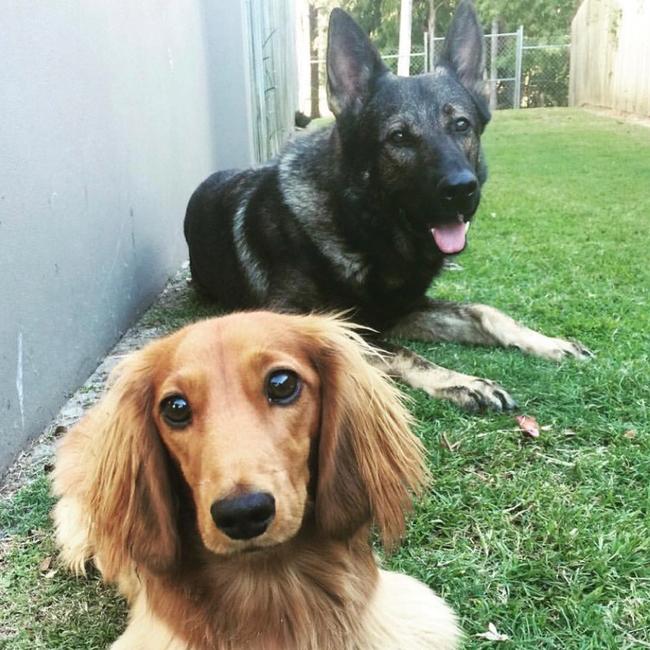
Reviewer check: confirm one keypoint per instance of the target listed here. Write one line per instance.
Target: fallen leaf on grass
(492, 634)
(630, 434)
(45, 568)
(528, 425)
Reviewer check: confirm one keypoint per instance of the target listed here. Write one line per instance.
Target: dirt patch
(619, 116)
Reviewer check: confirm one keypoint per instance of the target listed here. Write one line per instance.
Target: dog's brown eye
(283, 387)
(461, 124)
(175, 410)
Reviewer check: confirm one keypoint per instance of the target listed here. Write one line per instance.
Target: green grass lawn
(547, 538)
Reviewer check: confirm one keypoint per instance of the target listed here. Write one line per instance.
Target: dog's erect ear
(353, 64)
(369, 462)
(131, 501)
(463, 50)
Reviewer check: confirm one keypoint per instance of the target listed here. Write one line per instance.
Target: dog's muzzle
(458, 198)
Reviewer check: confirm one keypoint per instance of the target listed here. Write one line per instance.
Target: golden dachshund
(227, 482)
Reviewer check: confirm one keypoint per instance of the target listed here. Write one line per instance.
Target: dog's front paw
(467, 391)
(475, 394)
(558, 349)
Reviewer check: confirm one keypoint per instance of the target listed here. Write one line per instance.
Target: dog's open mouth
(450, 238)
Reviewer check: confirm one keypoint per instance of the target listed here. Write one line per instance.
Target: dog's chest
(395, 283)
(405, 262)
(269, 607)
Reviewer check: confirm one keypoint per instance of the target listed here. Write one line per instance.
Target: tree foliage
(540, 18)
(544, 72)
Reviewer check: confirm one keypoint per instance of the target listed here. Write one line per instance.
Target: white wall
(111, 113)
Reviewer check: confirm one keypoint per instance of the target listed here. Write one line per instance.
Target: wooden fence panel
(610, 55)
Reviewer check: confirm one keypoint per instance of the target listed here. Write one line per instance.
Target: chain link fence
(417, 62)
(520, 73)
(501, 65)
(545, 74)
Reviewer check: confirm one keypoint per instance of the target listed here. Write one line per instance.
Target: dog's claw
(581, 352)
(556, 349)
(480, 395)
(507, 403)
(574, 349)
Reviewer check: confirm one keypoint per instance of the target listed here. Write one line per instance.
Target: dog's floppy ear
(463, 49)
(369, 462)
(130, 498)
(353, 64)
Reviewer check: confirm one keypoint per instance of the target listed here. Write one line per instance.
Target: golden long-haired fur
(227, 482)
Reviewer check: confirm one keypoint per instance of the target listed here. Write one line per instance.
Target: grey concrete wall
(110, 114)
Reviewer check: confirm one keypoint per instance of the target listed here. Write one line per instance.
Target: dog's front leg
(438, 320)
(469, 392)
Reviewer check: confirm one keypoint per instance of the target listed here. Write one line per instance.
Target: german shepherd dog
(361, 215)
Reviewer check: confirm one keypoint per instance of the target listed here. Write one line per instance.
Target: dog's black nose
(458, 187)
(244, 516)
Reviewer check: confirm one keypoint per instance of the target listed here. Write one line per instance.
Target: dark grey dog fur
(361, 215)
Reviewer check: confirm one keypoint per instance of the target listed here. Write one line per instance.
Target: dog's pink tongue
(450, 238)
